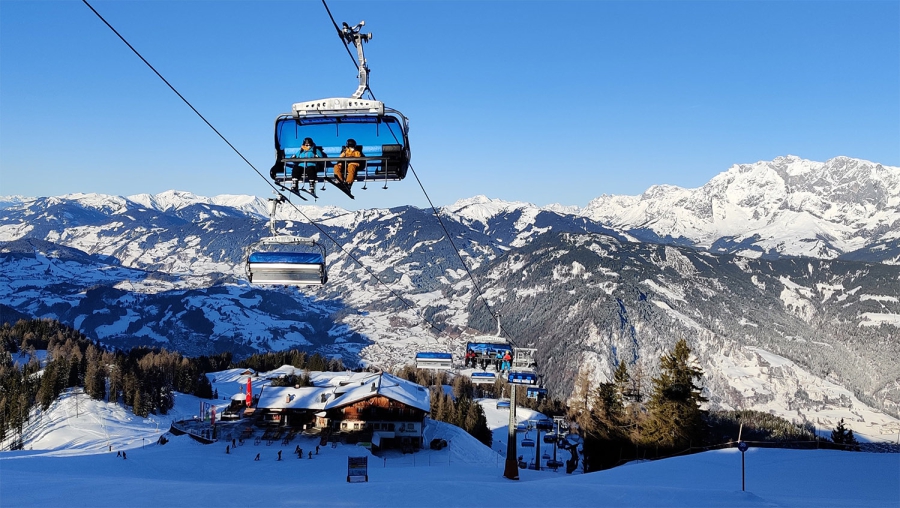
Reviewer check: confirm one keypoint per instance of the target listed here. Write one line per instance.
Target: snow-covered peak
(8, 201)
(482, 209)
(169, 200)
(845, 202)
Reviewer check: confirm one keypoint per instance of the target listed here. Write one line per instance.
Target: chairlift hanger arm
(353, 35)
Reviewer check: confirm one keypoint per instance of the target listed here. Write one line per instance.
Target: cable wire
(317, 226)
(275, 189)
(437, 214)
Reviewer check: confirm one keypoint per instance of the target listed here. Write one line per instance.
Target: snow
(764, 379)
(67, 461)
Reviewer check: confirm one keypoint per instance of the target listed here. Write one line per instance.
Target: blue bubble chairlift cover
(434, 360)
(479, 378)
(288, 268)
(522, 378)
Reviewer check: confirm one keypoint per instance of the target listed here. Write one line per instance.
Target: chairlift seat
(528, 443)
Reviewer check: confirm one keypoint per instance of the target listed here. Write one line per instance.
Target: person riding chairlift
(350, 150)
(506, 362)
(310, 170)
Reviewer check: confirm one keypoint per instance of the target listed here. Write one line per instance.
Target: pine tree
(675, 419)
(842, 435)
(621, 379)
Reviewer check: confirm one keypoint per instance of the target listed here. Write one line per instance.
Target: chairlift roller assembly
(379, 132)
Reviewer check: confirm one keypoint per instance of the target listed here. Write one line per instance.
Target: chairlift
(285, 259)
(481, 378)
(379, 133)
(486, 349)
(503, 404)
(550, 437)
(523, 364)
(554, 464)
(434, 360)
(522, 378)
(544, 424)
(527, 443)
(535, 392)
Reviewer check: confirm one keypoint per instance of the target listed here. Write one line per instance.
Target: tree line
(621, 421)
(144, 379)
(616, 418)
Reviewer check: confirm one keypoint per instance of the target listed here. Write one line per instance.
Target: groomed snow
(67, 462)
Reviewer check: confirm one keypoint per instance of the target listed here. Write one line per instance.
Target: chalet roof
(343, 389)
(366, 385)
(288, 397)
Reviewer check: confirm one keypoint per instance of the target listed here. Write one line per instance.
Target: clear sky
(544, 102)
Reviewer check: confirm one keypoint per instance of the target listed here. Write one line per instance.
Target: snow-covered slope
(67, 461)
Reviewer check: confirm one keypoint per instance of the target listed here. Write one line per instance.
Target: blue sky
(544, 102)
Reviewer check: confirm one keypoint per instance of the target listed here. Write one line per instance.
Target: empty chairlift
(285, 259)
(482, 378)
(434, 360)
(536, 392)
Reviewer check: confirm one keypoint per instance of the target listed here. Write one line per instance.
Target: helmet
(351, 143)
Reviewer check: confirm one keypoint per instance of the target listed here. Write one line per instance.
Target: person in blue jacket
(308, 170)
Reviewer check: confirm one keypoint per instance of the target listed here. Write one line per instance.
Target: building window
(344, 426)
(355, 426)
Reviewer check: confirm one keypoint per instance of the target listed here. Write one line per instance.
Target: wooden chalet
(379, 408)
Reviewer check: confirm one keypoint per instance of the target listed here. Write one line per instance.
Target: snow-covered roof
(342, 389)
(366, 385)
(288, 397)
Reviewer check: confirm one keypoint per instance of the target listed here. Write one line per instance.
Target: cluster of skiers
(297, 450)
(502, 361)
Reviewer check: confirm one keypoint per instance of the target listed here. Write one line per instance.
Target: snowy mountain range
(813, 339)
(843, 208)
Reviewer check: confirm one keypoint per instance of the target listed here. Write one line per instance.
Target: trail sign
(357, 469)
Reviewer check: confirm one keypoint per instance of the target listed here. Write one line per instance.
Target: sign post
(357, 469)
(742, 446)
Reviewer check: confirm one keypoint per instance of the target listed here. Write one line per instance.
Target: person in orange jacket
(350, 150)
(505, 365)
